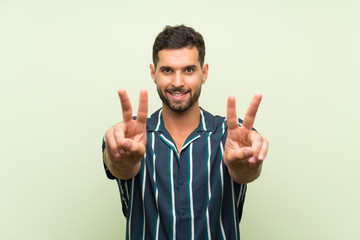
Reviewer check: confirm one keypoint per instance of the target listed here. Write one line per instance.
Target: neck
(181, 120)
(181, 124)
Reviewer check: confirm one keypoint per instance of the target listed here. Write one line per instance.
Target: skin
(245, 149)
(178, 77)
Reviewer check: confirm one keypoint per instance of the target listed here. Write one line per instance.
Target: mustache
(179, 90)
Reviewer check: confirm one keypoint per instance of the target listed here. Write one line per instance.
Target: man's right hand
(126, 141)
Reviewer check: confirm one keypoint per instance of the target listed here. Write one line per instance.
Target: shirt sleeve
(107, 171)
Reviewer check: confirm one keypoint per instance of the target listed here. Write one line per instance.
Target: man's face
(178, 77)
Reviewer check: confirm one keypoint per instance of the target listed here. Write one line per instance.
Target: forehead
(178, 57)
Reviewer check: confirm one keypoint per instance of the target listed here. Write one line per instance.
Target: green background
(61, 63)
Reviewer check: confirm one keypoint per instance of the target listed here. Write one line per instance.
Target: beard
(180, 105)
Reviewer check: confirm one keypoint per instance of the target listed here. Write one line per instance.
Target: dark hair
(178, 37)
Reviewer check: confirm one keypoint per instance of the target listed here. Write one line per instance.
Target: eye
(166, 70)
(189, 70)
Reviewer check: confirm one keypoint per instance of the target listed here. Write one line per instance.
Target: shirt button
(181, 182)
(182, 212)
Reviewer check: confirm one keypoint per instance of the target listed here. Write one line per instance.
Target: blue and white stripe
(194, 179)
(191, 200)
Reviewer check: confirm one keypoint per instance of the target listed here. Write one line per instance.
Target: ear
(152, 69)
(205, 70)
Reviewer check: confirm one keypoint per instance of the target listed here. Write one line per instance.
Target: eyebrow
(166, 67)
(191, 66)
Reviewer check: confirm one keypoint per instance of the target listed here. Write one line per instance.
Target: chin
(179, 108)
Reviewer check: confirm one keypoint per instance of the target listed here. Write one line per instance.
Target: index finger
(125, 105)
(143, 107)
(250, 114)
(231, 116)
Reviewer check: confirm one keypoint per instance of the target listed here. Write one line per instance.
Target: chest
(179, 139)
(199, 155)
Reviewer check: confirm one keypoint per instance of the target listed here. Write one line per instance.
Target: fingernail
(127, 145)
(117, 154)
(121, 151)
(261, 157)
(252, 160)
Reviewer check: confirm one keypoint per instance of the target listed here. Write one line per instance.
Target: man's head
(178, 37)
(179, 70)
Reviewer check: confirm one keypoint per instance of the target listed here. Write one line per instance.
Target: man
(182, 173)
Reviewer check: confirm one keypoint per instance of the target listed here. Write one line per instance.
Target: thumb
(134, 147)
(124, 146)
(244, 153)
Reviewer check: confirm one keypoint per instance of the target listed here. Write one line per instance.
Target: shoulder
(154, 121)
(216, 122)
(212, 122)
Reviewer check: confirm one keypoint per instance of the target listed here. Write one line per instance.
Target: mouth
(178, 95)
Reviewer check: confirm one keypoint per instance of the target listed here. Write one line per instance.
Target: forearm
(243, 176)
(121, 168)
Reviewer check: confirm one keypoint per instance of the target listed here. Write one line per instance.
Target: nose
(178, 80)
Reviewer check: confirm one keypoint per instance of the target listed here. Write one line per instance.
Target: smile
(178, 95)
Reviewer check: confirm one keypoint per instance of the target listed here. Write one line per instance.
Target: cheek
(195, 81)
(160, 82)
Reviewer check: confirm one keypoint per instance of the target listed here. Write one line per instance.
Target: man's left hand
(245, 149)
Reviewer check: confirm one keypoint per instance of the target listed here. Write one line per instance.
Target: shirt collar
(155, 122)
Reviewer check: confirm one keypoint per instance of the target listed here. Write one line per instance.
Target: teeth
(177, 94)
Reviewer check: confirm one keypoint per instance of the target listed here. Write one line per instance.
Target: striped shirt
(186, 194)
